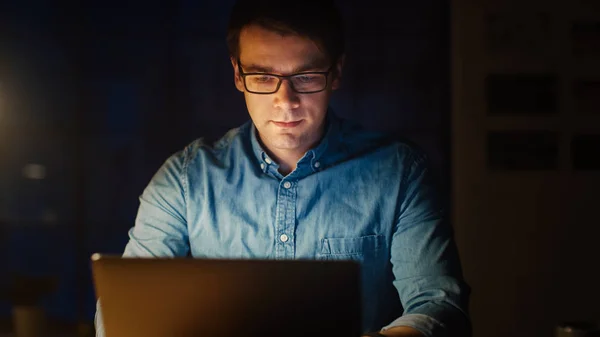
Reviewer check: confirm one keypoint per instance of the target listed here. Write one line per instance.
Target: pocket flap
(352, 245)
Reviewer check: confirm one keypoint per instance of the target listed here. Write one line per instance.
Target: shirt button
(284, 238)
(268, 160)
(262, 166)
(287, 184)
(317, 164)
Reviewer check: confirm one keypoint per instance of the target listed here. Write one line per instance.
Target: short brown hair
(319, 20)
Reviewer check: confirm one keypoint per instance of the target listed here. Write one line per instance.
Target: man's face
(285, 120)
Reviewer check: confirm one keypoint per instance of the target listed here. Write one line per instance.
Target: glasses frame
(285, 77)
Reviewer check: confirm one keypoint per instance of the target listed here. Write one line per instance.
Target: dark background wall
(525, 164)
(99, 94)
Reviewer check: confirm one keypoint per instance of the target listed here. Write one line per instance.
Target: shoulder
(199, 156)
(358, 139)
(201, 151)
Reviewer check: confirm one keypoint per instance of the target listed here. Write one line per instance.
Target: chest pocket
(352, 248)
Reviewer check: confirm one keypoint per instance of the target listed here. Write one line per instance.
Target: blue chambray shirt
(357, 195)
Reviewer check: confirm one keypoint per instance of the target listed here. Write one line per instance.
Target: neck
(287, 160)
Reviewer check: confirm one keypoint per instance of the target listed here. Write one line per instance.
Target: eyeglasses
(302, 83)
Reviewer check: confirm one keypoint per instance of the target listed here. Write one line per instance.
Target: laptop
(185, 297)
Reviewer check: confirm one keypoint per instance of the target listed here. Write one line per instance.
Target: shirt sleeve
(425, 262)
(160, 228)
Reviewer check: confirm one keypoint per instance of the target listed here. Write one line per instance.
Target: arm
(161, 224)
(160, 227)
(425, 263)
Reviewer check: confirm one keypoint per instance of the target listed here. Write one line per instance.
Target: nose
(286, 98)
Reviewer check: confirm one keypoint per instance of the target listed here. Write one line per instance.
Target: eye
(306, 78)
(262, 79)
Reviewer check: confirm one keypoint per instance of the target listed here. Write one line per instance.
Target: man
(297, 182)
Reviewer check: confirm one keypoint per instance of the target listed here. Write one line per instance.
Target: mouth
(287, 124)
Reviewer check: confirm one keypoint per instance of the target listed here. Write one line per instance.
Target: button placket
(286, 220)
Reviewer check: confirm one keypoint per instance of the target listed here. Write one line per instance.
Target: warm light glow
(34, 171)
(2, 103)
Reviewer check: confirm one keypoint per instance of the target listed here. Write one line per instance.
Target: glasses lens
(309, 82)
(302, 83)
(261, 83)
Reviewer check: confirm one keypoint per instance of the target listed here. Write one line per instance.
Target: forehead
(260, 46)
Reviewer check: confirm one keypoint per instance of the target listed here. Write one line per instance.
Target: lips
(287, 124)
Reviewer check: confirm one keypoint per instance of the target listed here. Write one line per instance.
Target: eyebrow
(308, 66)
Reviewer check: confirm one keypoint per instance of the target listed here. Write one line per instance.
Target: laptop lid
(184, 297)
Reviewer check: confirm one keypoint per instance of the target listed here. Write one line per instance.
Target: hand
(401, 331)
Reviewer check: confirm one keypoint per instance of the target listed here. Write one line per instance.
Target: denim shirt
(357, 195)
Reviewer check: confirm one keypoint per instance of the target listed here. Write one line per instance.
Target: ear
(337, 73)
(237, 78)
